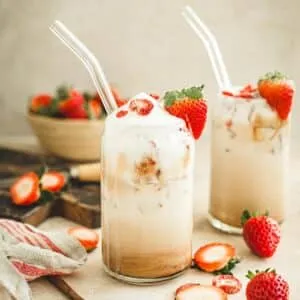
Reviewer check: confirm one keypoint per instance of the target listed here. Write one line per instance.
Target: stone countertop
(92, 283)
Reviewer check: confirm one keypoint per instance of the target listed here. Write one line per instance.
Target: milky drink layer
(147, 193)
(249, 151)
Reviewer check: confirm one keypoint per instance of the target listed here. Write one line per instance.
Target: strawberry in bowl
(69, 123)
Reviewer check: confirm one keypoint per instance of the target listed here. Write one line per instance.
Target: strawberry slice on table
(228, 283)
(278, 91)
(40, 102)
(53, 181)
(267, 285)
(25, 190)
(189, 105)
(261, 233)
(216, 258)
(196, 291)
(141, 106)
(88, 238)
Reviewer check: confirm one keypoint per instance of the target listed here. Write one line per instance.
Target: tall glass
(249, 161)
(147, 195)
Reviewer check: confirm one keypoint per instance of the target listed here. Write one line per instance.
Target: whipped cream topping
(158, 116)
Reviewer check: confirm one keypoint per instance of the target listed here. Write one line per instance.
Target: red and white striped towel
(27, 253)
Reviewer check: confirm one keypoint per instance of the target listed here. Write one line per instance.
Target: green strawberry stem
(250, 275)
(273, 76)
(228, 268)
(247, 215)
(191, 93)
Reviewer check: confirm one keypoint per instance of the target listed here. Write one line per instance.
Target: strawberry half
(278, 92)
(216, 257)
(25, 190)
(261, 234)
(53, 181)
(40, 102)
(196, 291)
(266, 285)
(88, 238)
(228, 283)
(141, 106)
(189, 105)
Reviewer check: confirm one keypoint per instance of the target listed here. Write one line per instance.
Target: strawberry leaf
(43, 169)
(228, 268)
(46, 196)
(192, 93)
(273, 76)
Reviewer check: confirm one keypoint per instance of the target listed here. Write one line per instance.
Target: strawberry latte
(250, 150)
(147, 192)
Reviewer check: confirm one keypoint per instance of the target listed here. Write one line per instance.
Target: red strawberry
(266, 285)
(196, 291)
(278, 92)
(141, 106)
(95, 108)
(215, 257)
(228, 283)
(261, 234)
(189, 105)
(119, 100)
(88, 238)
(40, 102)
(53, 181)
(73, 105)
(25, 190)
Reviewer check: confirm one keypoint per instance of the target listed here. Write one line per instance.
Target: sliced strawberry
(141, 106)
(245, 95)
(40, 102)
(53, 181)
(214, 256)
(154, 96)
(25, 190)
(227, 93)
(121, 113)
(228, 283)
(88, 238)
(249, 89)
(189, 105)
(195, 291)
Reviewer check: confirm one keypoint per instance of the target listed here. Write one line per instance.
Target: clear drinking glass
(147, 195)
(249, 161)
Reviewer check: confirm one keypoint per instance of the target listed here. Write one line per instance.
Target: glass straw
(211, 46)
(90, 62)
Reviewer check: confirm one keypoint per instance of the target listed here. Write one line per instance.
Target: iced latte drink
(147, 192)
(249, 153)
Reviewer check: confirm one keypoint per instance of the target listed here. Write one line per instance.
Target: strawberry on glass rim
(278, 91)
(189, 105)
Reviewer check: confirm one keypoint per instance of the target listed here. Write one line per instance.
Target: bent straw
(90, 62)
(211, 46)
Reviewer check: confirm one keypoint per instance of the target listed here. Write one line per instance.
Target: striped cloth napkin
(27, 253)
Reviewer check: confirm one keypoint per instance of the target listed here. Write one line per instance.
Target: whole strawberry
(266, 285)
(189, 105)
(261, 234)
(278, 92)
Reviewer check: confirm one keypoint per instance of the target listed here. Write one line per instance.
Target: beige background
(143, 46)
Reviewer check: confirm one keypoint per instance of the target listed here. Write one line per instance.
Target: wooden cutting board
(80, 203)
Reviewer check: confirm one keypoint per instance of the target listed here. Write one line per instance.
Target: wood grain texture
(81, 202)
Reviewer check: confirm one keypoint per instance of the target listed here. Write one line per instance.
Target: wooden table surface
(93, 284)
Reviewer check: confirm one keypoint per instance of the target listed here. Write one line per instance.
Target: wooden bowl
(76, 140)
